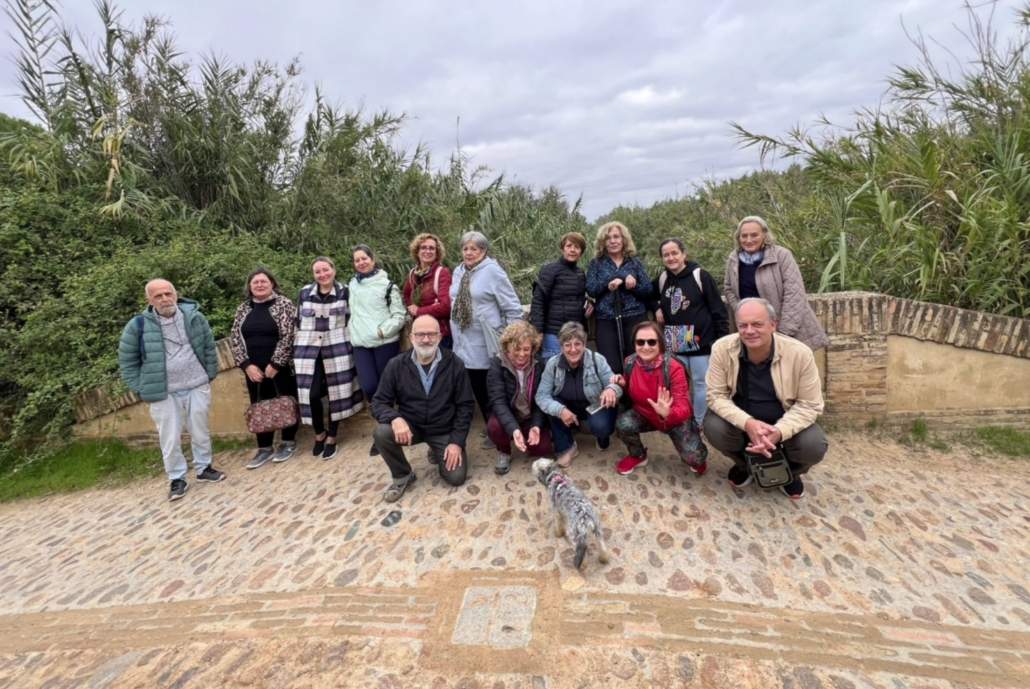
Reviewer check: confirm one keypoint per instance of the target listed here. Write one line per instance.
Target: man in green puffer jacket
(167, 357)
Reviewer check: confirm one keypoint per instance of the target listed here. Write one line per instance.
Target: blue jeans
(550, 346)
(601, 425)
(697, 367)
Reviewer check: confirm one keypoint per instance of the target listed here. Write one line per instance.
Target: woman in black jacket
(512, 382)
(688, 304)
(559, 293)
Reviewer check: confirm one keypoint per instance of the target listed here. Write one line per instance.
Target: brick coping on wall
(841, 314)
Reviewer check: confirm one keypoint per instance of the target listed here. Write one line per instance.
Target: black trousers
(393, 454)
(284, 383)
(608, 339)
(319, 389)
(477, 377)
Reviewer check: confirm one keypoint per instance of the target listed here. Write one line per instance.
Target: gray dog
(574, 513)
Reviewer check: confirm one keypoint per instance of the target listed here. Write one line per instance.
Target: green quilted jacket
(144, 372)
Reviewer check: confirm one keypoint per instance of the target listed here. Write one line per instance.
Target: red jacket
(643, 385)
(430, 303)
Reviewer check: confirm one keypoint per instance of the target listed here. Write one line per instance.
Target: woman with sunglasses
(656, 384)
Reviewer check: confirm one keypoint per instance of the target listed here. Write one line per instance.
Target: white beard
(426, 353)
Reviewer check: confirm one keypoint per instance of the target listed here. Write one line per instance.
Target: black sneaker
(603, 444)
(739, 476)
(178, 489)
(330, 451)
(318, 448)
(373, 451)
(260, 458)
(211, 475)
(795, 490)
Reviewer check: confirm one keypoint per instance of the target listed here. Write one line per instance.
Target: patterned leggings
(685, 437)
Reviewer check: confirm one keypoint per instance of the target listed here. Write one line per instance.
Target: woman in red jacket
(656, 386)
(427, 289)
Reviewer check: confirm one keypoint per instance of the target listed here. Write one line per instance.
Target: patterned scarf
(418, 277)
(462, 307)
(751, 259)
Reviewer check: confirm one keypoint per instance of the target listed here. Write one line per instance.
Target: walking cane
(618, 325)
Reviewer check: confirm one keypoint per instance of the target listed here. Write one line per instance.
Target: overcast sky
(620, 102)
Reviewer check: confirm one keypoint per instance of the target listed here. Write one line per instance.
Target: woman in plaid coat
(323, 357)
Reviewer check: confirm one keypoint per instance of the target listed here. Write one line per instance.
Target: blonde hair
(417, 241)
(629, 249)
(518, 332)
(767, 235)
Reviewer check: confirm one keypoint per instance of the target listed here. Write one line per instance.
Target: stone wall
(894, 360)
(891, 360)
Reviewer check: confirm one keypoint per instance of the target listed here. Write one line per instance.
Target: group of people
(535, 381)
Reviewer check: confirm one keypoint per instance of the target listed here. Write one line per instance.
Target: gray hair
(572, 331)
(769, 308)
(477, 238)
(760, 221)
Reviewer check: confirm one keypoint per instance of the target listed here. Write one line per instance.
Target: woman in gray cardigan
(759, 268)
(483, 302)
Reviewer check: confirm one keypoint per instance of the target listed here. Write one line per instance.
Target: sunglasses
(651, 342)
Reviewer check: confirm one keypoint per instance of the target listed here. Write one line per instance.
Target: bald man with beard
(167, 357)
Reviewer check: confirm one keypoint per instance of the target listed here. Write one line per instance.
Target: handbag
(266, 416)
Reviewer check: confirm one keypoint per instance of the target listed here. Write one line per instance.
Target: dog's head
(543, 469)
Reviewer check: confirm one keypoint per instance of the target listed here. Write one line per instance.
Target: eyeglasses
(424, 336)
(650, 342)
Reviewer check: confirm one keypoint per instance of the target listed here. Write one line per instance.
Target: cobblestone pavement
(901, 568)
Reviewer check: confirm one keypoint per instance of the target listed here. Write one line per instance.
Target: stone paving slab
(901, 567)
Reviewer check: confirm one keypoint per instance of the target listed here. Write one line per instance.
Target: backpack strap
(627, 367)
(436, 281)
(697, 279)
(389, 295)
(664, 275)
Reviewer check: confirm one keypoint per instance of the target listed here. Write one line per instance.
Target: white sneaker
(565, 458)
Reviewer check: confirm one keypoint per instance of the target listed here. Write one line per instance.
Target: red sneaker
(628, 463)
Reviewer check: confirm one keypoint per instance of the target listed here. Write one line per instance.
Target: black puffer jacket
(500, 383)
(558, 296)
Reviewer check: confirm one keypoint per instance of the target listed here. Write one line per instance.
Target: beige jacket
(780, 283)
(794, 376)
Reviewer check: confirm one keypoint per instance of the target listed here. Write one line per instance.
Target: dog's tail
(581, 551)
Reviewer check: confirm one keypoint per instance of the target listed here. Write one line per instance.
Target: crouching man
(167, 357)
(424, 396)
(764, 394)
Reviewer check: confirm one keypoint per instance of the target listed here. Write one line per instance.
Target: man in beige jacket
(763, 393)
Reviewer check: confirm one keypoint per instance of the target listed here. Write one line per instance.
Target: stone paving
(902, 567)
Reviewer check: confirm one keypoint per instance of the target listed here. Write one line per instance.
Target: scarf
(362, 276)
(751, 259)
(462, 308)
(417, 277)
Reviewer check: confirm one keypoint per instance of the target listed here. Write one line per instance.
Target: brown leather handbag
(266, 416)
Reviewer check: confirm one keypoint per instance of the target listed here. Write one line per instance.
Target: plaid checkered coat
(322, 329)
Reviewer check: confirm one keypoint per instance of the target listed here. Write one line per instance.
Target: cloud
(613, 100)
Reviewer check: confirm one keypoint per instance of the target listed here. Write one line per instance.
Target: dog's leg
(559, 525)
(602, 548)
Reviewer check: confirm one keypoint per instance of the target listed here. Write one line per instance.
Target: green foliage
(77, 466)
(1004, 440)
(930, 194)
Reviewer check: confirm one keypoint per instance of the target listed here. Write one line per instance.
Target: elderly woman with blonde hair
(619, 283)
(759, 268)
(512, 382)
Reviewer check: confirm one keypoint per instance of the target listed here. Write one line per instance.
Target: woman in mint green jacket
(377, 317)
